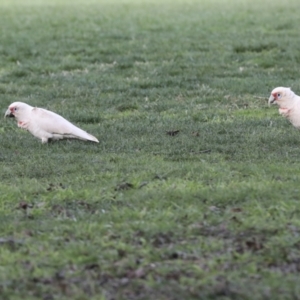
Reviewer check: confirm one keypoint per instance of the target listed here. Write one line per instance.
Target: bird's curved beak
(272, 99)
(9, 113)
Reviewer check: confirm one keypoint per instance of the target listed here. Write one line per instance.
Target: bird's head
(282, 96)
(17, 109)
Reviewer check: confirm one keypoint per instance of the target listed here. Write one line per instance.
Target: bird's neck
(291, 103)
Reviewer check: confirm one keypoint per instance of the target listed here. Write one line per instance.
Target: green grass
(211, 212)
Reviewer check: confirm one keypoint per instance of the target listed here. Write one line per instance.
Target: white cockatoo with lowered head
(44, 124)
(288, 102)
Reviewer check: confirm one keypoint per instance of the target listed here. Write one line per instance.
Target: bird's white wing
(55, 124)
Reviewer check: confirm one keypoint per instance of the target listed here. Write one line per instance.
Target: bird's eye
(15, 109)
(278, 95)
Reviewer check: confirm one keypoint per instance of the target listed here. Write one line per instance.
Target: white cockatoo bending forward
(288, 102)
(45, 124)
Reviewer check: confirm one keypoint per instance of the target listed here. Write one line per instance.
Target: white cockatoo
(288, 102)
(44, 124)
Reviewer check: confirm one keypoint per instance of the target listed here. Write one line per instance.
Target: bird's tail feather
(92, 138)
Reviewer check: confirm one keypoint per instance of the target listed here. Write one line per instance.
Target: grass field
(193, 191)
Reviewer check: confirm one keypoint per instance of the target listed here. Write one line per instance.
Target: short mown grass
(193, 191)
